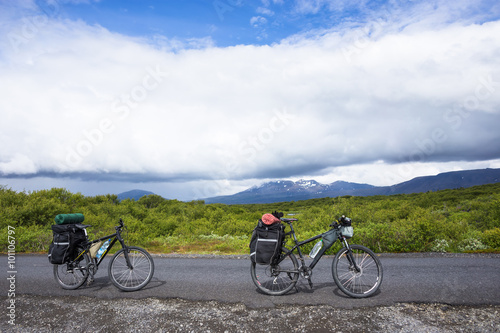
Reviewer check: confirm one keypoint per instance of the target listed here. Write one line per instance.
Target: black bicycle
(130, 269)
(356, 269)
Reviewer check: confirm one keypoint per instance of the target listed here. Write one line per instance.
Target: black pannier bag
(66, 239)
(266, 242)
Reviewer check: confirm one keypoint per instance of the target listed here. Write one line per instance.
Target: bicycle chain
(306, 273)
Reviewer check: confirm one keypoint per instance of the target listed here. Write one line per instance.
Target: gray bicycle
(356, 270)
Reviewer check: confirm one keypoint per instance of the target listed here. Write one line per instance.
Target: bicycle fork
(125, 252)
(350, 256)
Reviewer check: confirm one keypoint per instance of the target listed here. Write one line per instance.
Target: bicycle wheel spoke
(134, 277)
(124, 275)
(276, 279)
(73, 274)
(129, 277)
(359, 277)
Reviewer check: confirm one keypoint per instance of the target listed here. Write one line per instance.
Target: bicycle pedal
(310, 283)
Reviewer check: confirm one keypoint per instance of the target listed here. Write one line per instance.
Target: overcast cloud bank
(395, 96)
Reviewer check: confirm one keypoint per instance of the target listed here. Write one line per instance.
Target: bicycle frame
(319, 256)
(115, 237)
(356, 269)
(113, 241)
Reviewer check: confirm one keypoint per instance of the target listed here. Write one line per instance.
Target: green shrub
(491, 238)
(451, 220)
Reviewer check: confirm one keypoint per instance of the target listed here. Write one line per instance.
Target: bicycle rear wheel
(73, 274)
(354, 283)
(276, 279)
(135, 277)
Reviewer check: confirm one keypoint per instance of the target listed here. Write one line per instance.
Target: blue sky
(226, 22)
(256, 22)
(192, 99)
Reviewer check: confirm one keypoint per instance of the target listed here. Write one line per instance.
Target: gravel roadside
(85, 314)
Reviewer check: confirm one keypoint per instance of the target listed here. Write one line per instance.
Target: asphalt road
(420, 278)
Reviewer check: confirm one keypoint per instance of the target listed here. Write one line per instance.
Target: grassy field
(460, 220)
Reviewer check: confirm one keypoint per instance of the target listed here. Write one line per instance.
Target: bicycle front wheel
(361, 282)
(137, 275)
(276, 279)
(73, 274)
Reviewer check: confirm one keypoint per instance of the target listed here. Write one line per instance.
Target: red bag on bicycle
(269, 219)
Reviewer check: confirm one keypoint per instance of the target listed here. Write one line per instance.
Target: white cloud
(264, 11)
(80, 99)
(383, 174)
(308, 6)
(18, 164)
(257, 21)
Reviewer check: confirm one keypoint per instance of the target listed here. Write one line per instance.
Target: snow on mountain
(287, 190)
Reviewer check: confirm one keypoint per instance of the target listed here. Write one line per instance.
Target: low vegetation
(461, 220)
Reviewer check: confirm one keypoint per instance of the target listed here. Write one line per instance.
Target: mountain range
(287, 190)
(133, 194)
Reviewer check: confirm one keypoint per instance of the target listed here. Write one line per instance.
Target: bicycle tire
(73, 275)
(353, 283)
(133, 279)
(276, 279)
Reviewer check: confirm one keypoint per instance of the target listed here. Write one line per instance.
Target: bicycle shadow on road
(303, 286)
(339, 293)
(104, 283)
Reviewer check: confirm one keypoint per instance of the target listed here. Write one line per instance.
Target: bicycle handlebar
(343, 219)
(119, 226)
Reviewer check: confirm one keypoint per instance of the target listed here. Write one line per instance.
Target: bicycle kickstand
(307, 273)
(90, 279)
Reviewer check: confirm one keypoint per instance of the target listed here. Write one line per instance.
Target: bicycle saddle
(82, 226)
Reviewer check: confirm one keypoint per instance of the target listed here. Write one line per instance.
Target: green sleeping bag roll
(69, 218)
